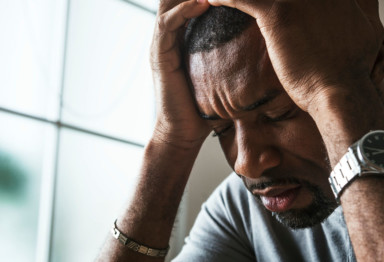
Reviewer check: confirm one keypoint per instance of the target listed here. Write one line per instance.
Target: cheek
(302, 139)
(298, 138)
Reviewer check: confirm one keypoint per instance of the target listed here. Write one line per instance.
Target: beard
(320, 208)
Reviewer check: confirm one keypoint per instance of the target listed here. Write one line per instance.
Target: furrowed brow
(265, 100)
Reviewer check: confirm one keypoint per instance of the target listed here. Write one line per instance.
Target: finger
(253, 8)
(179, 15)
(164, 51)
(229, 3)
(166, 5)
(169, 22)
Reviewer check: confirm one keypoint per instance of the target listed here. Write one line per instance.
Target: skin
(257, 147)
(324, 75)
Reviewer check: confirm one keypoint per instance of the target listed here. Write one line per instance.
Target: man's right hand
(169, 156)
(177, 122)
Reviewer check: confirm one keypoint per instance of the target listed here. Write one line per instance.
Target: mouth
(278, 198)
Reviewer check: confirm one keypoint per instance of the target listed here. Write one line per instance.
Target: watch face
(372, 148)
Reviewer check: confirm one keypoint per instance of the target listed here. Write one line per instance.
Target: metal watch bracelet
(344, 172)
(134, 246)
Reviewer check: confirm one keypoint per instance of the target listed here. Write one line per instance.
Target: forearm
(363, 210)
(149, 217)
(170, 154)
(342, 120)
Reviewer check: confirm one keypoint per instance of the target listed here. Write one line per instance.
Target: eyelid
(286, 115)
(222, 132)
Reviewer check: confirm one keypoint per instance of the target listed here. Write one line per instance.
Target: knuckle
(161, 23)
(281, 14)
(165, 66)
(182, 6)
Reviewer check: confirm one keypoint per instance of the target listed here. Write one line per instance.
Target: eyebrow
(265, 100)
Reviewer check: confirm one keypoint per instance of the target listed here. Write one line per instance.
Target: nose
(256, 153)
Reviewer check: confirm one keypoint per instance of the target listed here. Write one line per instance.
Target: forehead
(233, 75)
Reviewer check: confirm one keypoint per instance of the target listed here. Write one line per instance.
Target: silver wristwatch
(365, 157)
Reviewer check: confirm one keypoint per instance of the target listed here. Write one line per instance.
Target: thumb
(254, 8)
(166, 5)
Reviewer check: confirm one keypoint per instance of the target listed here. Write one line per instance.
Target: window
(76, 109)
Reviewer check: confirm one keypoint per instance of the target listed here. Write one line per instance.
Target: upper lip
(274, 191)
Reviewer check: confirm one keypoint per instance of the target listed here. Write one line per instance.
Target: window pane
(31, 50)
(150, 4)
(108, 83)
(25, 152)
(95, 177)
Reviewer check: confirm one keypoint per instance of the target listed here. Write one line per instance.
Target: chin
(310, 216)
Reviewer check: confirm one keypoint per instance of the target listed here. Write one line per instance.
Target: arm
(172, 150)
(150, 216)
(341, 123)
(323, 53)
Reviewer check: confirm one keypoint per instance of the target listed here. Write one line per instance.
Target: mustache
(270, 182)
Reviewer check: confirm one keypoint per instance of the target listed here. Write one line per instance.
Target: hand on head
(315, 44)
(312, 46)
(177, 120)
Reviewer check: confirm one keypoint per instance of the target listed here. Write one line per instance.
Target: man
(284, 92)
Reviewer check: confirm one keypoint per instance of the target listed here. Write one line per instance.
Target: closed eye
(218, 133)
(285, 116)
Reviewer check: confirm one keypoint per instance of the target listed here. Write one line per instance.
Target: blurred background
(76, 110)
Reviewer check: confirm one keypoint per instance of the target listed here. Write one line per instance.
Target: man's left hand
(314, 45)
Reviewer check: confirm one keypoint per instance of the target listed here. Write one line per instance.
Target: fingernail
(201, 1)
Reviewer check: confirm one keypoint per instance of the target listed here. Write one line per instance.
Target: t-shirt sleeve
(220, 230)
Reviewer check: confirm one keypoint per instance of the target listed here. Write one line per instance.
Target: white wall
(209, 170)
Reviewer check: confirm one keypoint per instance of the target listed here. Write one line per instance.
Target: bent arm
(323, 53)
(170, 154)
(150, 216)
(342, 120)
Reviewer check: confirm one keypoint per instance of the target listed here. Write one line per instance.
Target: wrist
(163, 176)
(344, 115)
(179, 138)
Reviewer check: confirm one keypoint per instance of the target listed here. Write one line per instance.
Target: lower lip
(281, 202)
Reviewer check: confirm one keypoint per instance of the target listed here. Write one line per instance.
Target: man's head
(215, 27)
(269, 142)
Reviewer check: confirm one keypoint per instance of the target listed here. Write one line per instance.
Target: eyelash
(282, 117)
(287, 115)
(222, 132)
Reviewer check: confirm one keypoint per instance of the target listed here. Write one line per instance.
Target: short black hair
(217, 26)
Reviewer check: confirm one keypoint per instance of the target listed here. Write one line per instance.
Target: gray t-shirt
(233, 226)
